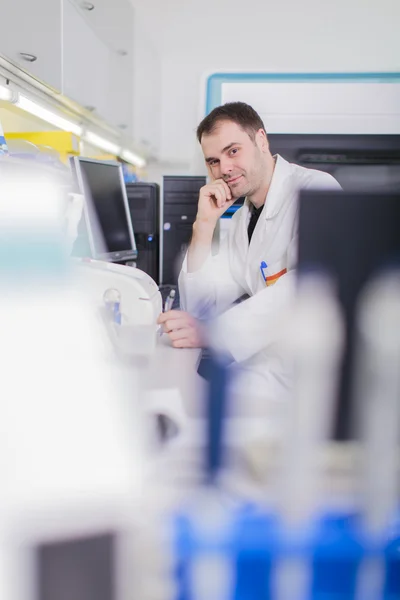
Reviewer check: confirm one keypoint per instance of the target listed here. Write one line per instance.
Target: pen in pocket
(263, 266)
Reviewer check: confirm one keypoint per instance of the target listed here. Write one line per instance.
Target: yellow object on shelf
(64, 142)
(104, 156)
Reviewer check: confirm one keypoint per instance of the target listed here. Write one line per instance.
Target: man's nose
(225, 166)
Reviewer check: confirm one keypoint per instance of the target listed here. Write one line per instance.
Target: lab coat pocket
(274, 271)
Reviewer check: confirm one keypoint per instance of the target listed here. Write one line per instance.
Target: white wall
(147, 82)
(198, 38)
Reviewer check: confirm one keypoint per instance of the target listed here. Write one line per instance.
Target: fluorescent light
(6, 94)
(102, 143)
(47, 115)
(133, 158)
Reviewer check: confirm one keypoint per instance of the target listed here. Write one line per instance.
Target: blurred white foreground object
(315, 340)
(73, 215)
(314, 343)
(378, 398)
(71, 442)
(377, 394)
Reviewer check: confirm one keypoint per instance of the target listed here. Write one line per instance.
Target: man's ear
(262, 140)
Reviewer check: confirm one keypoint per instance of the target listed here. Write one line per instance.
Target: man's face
(233, 156)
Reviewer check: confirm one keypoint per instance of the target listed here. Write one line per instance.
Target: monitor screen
(352, 236)
(106, 209)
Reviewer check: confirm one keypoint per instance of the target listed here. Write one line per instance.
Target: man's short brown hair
(238, 112)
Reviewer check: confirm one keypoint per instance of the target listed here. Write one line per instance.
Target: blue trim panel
(215, 81)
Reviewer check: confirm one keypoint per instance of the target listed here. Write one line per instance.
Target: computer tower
(181, 196)
(144, 207)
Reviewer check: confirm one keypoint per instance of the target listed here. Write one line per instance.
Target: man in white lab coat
(257, 257)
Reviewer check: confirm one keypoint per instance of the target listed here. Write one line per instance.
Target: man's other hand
(184, 330)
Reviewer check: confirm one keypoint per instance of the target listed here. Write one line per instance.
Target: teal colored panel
(215, 81)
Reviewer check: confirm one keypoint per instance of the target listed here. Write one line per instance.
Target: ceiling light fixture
(133, 158)
(102, 143)
(47, 115)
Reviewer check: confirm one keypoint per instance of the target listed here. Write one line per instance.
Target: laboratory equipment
(73, 438)
(316, 534)
(136, 301)
(377, 419)
(369, 162)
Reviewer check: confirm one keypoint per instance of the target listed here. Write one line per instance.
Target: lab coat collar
(275, 198)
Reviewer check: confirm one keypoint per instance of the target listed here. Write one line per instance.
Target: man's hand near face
(184, 330)
(214, 199)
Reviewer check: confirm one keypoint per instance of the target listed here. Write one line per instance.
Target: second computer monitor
(352, 236)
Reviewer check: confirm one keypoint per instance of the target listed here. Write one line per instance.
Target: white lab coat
(250, 331)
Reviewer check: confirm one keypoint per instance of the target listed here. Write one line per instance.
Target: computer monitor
(352, 236)
(106, 209)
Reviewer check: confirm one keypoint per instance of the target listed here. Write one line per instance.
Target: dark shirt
(255, 213)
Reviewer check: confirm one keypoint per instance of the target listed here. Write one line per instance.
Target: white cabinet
(119, 109)
(33, 28)
(86, 65)
(98, 63)
(85, 55)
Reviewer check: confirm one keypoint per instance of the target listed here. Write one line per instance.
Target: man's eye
(234, 150)
(212, 163)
